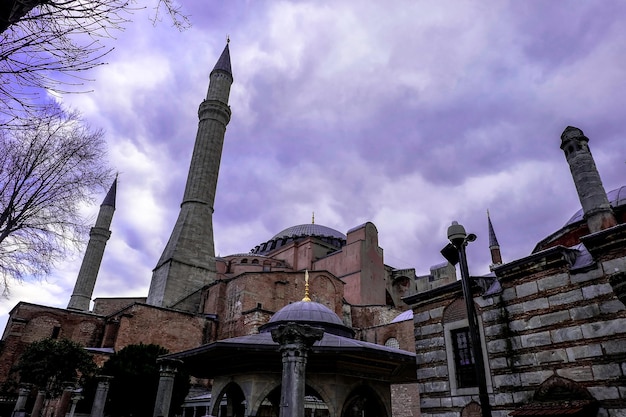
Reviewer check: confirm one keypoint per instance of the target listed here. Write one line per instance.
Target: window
(465, 372)
(393, 343)
(55, 332)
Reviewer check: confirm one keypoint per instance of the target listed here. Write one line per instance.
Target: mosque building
(196, 299)
(367, 339)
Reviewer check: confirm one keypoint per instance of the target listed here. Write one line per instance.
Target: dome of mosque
(617, 198)
(311, 313)
(311, 229)
(331, 236)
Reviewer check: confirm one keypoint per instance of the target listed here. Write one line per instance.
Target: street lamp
(454, 252)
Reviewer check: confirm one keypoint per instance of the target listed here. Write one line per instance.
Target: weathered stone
(526, 289)
(436, 312)
(536, 304)
(499, 363)
(518, 325)
(503, 399)
(606, 371)
(509, 380)
(584, 351)
(425, 344)
(578, 373)
(607, 328)
(614, 265)
(584, 312)
(551, 356)
(509, 294)
(536, 339)
(431, 329)
(566, 297)
(593, 291)
(586, 276)
(548, 319)
(612, 347)
(525, 359)
(421, 317)
(429, 402)
(604, 393)
(514, 309)
(553, 281)
(495, 330)
(496, 346)
(491, 315)
(566, 335)
(612, 306)
(521, 397)
(534, 378)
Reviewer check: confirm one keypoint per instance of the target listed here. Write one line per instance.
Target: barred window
(463, 358)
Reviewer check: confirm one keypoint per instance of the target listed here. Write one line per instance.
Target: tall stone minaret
(98, 237)
(188, 261)
(494, 246)
(598, 212)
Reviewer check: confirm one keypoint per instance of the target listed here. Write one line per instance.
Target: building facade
(552, 324)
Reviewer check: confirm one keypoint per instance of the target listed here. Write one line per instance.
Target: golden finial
(313, 218)
(306, 286)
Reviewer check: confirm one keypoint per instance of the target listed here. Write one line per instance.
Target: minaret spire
(98, 237)
(598, 212)
(494, 246)
(188, 260)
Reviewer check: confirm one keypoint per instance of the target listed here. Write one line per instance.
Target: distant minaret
(494, 246)
(598, 211)
(98, 237)
(188, 261)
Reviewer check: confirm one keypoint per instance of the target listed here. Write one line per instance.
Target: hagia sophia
(314, 319)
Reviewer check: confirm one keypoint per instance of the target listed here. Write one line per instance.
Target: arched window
(392, 342)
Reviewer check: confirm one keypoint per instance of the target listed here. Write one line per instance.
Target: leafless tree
(49, 166)
(48, 45)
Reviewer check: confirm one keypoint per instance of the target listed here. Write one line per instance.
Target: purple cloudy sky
(409, 114)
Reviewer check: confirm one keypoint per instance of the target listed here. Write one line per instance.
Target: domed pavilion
(306, 355)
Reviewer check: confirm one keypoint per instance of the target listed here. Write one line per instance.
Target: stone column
(75, 399)
(167, 372)
(64, 401)
(295, 342)
(99, 400)
(22, 397)
(41, 396)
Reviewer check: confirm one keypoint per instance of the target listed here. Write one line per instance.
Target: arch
(472, 410)
(40, 327)
(314, 404)
(455, 311)
(363, 401)
(392, 342)
(244, 261)
(255, 261)
(558, 388)
(231, 402)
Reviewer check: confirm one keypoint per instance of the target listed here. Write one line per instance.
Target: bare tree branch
(50, 165)
(46, 45)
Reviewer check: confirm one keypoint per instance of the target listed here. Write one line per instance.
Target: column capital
(297, 334)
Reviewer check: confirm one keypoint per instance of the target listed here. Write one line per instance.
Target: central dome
(295, 233)
(310, 229)
(311, 313)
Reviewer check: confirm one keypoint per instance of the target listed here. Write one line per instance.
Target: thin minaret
(98, 237)
(188, 260)
(494, 246)
(596, 207)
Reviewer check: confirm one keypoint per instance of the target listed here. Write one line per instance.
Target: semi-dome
(311, 313)
(617, 198)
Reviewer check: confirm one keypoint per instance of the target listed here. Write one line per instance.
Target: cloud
(410, 115)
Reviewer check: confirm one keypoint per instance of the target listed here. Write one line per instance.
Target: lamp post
(459, 240)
